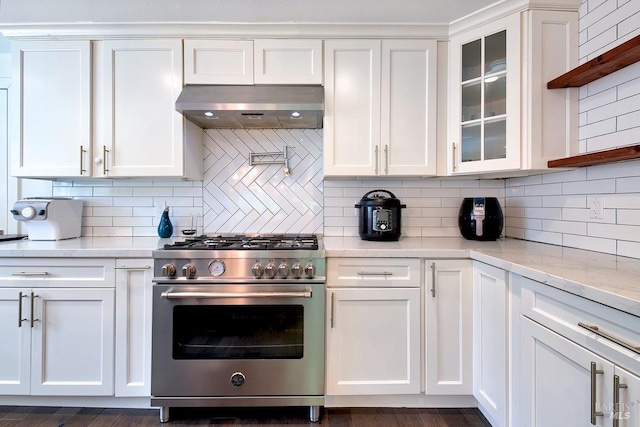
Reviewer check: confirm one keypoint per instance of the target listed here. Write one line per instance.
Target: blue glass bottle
(165, 228)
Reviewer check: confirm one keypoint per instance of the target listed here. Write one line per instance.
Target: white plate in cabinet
(373, 272)
(283, 61)
(218, 62)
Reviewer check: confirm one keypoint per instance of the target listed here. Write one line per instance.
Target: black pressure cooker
(380, 216)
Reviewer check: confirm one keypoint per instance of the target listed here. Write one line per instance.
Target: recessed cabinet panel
(51, 109)
(218, 62)
(143, 135)
(358, 363)
(282, 61)
(15, 334)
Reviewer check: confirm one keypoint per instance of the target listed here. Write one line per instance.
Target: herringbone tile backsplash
(239, 198)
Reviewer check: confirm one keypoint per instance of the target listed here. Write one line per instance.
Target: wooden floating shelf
(613, 60)
(598, 158)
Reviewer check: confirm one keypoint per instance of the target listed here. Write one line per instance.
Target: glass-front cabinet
(485, 98)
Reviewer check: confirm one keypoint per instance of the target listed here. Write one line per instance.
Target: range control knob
(189, 271)
(270, 270)
(168, 270)
(283, 269)
(296, 270)
(309, 270)
(257, 270)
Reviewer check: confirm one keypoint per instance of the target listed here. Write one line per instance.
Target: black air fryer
(480, 218)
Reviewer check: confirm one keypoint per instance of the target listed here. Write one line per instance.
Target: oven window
(238, 332)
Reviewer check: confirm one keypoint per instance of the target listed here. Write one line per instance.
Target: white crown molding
(98, 31)
(507, 7)
(247, 30)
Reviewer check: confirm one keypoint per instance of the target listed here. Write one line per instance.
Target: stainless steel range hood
(255, 107)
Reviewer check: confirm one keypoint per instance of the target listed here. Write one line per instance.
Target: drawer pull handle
(373, 273)
(433, 279)
(141, 267)
(332, 302)
(20, 319)
(594, 372)
(616, 400)
(33, 301)
(597, 331)
(30, 273)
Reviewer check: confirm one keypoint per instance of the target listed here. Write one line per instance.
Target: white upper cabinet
(139, 133)
(287, 61)
(380, 98)
(485, 97)
(247, 62)
(501, 115)
(50, 109)
(218, 62)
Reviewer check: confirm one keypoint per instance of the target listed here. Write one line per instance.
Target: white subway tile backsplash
(589, 243)
(542, 190)
(579, 201)
(614, 231)
(543, 213)
(628, 216)
(589, 187)
(566, 227)
(628, 249)
(578, 174)
(543, 237)
(628, 185)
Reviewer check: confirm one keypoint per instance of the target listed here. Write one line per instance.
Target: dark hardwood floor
(11, 416)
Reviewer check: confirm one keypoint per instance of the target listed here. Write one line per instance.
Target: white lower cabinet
(373, 331)
(57, 327)
(133, 327)
(56, 341)
(490, 342)
(557, 377)
(448, 327)
(578, 360)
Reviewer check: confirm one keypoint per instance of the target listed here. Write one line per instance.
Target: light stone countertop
(84, 247)
(608, 279)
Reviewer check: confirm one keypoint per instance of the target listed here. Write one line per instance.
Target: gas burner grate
(247, 242)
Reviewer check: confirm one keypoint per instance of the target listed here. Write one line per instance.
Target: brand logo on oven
(237, 379)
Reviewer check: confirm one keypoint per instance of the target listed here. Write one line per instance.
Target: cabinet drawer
(57, 272)
(373, 272)
(609, 332)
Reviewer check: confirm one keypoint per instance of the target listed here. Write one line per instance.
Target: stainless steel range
(239, 321)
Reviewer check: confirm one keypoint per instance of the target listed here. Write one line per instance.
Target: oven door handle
(184, 295)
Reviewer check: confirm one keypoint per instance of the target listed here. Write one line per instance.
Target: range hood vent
(252, 107)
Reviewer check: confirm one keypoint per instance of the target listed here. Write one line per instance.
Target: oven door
(238, 340)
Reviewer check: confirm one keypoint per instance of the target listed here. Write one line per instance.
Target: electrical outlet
(596, 209)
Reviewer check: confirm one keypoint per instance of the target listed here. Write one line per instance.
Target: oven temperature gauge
(216, 267)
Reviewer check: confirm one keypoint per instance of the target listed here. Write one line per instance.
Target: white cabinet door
(218, 62)
(140, 133)
(50, 98)
(448, 317)
(627, 407)
(287, 61)
(408, 108)
(73, 342)
(373, 341)
(352, 108)
(133, 327)
(484, 97)
(15, 335)
(556, 379)
(490, 344)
